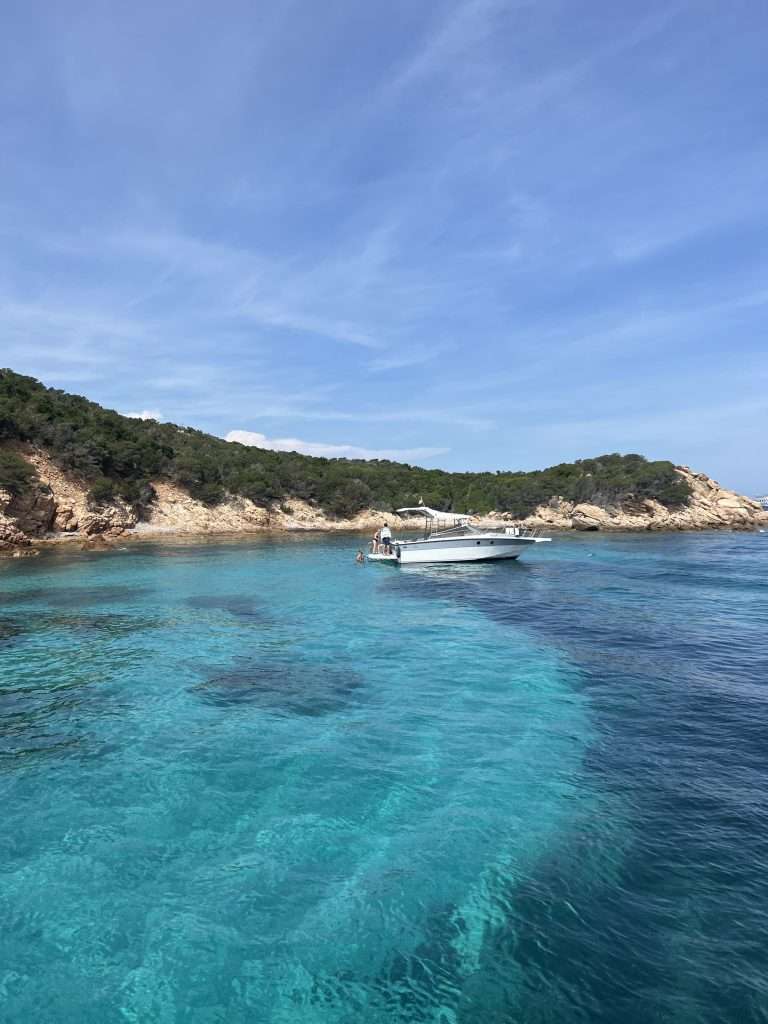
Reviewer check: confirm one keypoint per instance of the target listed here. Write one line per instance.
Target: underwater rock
(236, 604)
(9, 630)
(283, 687)
(97, 543)
(100, 624)
(74, 597)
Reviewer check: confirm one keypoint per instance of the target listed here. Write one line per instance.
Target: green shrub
(348, 498)
(16, 474)
(102, 491)
(105, 448)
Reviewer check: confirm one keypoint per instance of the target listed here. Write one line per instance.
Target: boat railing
(444, 527)
(434, 528)
(449, 531)
(529, 532)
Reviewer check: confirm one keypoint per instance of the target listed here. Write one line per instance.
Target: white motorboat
(450, 537)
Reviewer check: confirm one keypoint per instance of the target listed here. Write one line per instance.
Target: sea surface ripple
(255, 782)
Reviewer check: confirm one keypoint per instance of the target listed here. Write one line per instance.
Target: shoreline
(59, 512)
(83, 543)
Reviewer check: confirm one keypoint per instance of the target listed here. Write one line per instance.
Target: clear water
(254, 782)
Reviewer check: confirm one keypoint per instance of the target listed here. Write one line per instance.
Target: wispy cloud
(67, 322)
(69, 340)
(415, 355)
(247, 284)
(496, 217)
(468, 25)
(269, 315)
(331, 451)
(667, 431)
(449, 416)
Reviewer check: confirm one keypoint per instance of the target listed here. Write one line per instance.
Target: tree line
(120, 457)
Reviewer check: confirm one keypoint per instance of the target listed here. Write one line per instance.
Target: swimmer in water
(359, 557)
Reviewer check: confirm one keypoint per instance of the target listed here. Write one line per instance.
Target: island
(73, 470)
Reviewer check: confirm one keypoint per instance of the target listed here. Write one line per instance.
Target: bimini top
(431, 513)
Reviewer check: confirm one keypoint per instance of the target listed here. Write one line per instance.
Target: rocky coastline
(57, 510)
(709, 507)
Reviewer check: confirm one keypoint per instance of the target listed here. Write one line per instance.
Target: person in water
(360, 557)
(386, 539)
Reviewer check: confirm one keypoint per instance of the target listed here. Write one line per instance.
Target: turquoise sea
(251, 781)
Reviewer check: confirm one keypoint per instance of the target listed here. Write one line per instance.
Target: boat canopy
(431, 513)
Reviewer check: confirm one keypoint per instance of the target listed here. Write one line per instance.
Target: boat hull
(462, 549)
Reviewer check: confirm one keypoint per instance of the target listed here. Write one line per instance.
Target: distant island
(70, 468)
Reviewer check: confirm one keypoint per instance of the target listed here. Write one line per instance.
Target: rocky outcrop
(114, 518)
(32, 512)
(70, 493)
(23, 517)
(300, 515)
(710, 507)
(57, 507)
(589, 517)
(11, 536)
(175, 511)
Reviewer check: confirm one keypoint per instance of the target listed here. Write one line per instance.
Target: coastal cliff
(59, 506)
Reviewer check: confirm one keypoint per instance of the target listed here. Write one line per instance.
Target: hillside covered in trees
(121, 456)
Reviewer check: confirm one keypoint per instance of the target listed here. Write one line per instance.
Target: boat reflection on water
(462, 570)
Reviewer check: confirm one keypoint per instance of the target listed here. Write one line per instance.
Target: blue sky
(474, 234)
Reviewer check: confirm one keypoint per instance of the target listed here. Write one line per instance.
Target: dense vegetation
(121, 456)
(16, 474)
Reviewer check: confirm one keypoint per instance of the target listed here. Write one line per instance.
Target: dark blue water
(254, 782)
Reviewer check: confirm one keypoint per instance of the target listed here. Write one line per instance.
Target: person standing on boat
(377, 541)
(386, 539)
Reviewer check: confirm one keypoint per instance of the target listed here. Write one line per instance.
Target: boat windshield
(457, 524)
(439, 522)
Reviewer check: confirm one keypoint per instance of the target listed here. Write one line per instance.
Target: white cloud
(330, 451)
(145, 414)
